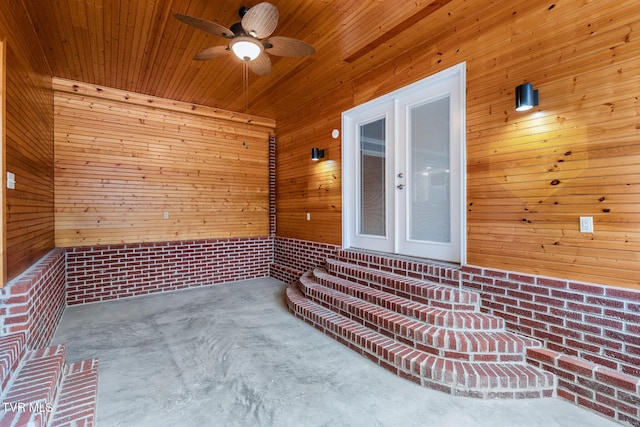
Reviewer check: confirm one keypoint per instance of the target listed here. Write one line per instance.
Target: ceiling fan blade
(261, 65)
(204, 25)
(211, 53)
(287, 46)
(261, 20)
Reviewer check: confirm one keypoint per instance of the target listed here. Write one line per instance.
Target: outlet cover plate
(586, 224)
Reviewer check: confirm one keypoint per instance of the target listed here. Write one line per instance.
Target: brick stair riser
(442, 317)
(478, 380)
(36, 370)
(429, 272)
(459, 345)
(431, 294)
(441, 379)
(378, 275)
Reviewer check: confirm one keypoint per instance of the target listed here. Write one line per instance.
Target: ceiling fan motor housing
(238, 30)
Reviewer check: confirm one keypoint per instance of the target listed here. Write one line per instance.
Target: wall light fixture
(526, 97)
(317, 154)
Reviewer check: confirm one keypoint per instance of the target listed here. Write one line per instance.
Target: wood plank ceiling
(137, 45)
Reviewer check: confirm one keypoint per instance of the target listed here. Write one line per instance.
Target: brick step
(442, 317)
(432, 294)
(44, 391)
(423, 269)
(30, 395)
(12, 350)
(472, 345)
(457, 377)
(76, 405)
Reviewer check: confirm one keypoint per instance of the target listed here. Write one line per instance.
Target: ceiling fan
(250, 38)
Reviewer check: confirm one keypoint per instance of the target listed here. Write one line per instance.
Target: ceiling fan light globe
(246, 48)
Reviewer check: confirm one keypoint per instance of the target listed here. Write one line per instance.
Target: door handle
(400, 186)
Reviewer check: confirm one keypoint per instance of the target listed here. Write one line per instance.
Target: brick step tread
(34, 387)
(21, 416)
(38, 376)
(476, 345)
(464, 378)
(12, 350)
(437, 295)
(76, 405)
(400, 264)
(554, 360)
(443, 317)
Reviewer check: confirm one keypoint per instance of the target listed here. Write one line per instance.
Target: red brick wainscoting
(590, 334)
(34, 301)
(101, 273)
(292, 257)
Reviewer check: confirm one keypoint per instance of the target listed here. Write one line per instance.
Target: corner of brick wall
(34, 301)
(272, 185)
(292, 257)
(284, 273)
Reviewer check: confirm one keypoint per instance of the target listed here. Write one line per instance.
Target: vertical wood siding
(29, 142)
(531, 175)
(122, 160)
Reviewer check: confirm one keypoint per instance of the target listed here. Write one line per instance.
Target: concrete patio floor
(232, 355)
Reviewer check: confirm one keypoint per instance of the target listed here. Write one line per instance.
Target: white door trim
(350, 119)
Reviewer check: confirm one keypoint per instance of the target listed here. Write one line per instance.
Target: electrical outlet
(166, 215)
(308, 216)
(586, 224)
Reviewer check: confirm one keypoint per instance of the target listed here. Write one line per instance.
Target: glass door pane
(403, 170)
(430, 150)
(429, 203)
(372, 182)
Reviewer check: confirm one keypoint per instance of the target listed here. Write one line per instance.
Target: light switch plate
(11, 181)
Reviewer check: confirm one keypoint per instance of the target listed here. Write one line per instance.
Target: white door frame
(350, 120)
(374, 112)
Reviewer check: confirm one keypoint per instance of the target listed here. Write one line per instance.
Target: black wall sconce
(526, 97)
(317, 154)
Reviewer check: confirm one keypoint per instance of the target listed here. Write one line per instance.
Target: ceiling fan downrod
(242, 11)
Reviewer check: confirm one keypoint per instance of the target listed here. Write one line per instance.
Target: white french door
(403, 169)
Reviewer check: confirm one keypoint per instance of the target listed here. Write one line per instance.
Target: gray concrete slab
(232, 355)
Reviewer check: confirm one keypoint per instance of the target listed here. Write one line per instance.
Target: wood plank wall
(530, 176)
(29, 142)
(3, 165)
(122, 160)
